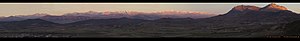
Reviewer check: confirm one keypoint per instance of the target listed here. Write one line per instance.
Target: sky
(10, 9)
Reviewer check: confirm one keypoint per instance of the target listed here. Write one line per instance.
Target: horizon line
(125, 11)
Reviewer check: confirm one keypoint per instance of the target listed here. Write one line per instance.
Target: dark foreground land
(190, 28)
(264, 31)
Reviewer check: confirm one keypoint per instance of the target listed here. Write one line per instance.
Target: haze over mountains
(240, 21)
(76, 16)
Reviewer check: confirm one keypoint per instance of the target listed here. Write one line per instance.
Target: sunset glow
(10, 9)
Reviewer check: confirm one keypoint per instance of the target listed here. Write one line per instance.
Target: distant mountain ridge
(76, 16)
(269, 13)
(240, 21)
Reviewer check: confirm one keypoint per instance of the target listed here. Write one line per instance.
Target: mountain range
(269, 13)
(76, 16)
(240, 21)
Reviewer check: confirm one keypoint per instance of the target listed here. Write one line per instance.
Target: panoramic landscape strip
(198, 20)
